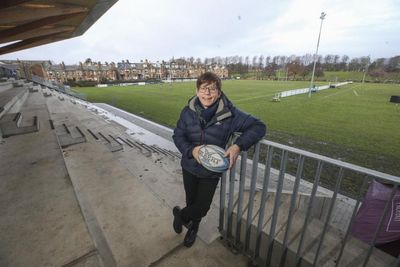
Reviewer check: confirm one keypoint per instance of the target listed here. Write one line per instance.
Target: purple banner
(371, 211)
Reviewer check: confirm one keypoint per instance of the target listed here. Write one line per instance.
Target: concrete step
(11, 100)
(202, 254)
(11, 125)
(136, 224)
(68, 134)
(4, 86)
(111, 143)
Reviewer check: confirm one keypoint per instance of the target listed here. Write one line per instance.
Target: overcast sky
(162, 29)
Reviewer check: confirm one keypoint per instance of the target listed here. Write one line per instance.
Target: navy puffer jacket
(190, 132)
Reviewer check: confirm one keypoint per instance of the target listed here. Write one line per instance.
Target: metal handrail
(336, 162)
(257, 242)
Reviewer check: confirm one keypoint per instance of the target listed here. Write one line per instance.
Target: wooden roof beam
(9, 3)
(26, 13)
(46, 30)
(28, 43)
(36, 24)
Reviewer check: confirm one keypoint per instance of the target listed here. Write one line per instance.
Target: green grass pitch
(355, 123)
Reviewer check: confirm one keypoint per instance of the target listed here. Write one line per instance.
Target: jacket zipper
(202, 136)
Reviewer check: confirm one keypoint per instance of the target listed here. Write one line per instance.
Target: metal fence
(65, 89)
(279, 209)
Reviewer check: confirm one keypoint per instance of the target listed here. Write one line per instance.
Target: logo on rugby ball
(212, 158)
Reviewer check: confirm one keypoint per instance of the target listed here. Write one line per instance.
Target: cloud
(159, 30)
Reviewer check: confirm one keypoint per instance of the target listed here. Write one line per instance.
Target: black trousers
(199, 194)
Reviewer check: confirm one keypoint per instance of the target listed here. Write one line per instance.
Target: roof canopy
(25, 24)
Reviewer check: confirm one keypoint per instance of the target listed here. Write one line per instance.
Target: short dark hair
(209, 77)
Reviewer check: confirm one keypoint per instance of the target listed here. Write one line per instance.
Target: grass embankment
(355, 123)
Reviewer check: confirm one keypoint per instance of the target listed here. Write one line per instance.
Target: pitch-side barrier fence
(262, 216)
(307, 90)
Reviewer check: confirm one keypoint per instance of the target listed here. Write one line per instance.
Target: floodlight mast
(322, 17)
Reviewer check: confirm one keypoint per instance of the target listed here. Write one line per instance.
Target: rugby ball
(212, 158)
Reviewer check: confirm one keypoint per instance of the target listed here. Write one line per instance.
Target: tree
(307, 59)
(261, 61)
(355, 64)
(319, 71)
(283, 60)
(267, 59)
(343, 63)
(191, 60)
(254, 62)
(275, 60)
(198, 61)
(296, 68)
(377, 73)
(393, 64)
(88, 61)
(271, 69)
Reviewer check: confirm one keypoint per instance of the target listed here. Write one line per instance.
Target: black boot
(177, 219)
(191, 234)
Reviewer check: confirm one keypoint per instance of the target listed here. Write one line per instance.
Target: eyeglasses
(211, 88)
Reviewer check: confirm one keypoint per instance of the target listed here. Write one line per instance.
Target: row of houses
(105, 72)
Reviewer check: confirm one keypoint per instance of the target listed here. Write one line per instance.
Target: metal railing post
(362, 189)
(222, 206)
(299, 173)
(306, 220)
(275, 212)
(332, 204)
(232, 173)
(243, 164)
(264, 196)
(251, 195)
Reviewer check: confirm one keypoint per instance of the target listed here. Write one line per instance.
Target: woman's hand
(232, 153)
(195, 153)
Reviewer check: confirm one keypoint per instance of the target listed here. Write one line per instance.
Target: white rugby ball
(212, 158)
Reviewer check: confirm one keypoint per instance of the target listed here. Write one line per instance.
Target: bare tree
(261, 61)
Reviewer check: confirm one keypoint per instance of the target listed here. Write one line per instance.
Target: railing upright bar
(222, 206)
(267, 174)
(232, 174)
(243, 164)
(328, 217)
(299, 173)
(364, 184)
(378, 229)
(275, 213)
(252, 193)
(310, 204)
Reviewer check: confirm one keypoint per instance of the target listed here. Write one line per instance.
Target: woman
(209, 118)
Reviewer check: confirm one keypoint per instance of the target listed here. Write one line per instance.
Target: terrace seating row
(41, 222)
(13, 95)
(10, 125)
(131, 220)
(12, 99)
(68, 135)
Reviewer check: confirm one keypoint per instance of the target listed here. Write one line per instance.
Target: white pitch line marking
(355, 92)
